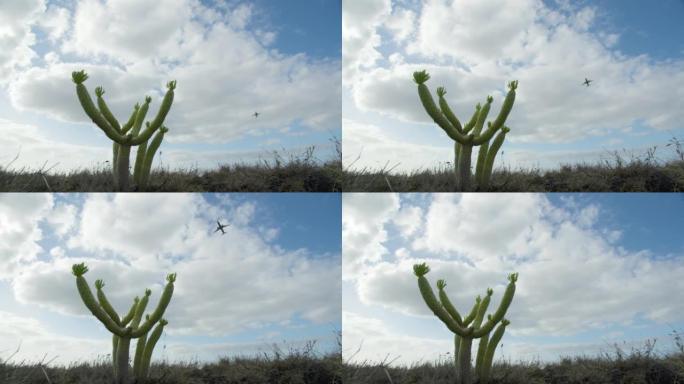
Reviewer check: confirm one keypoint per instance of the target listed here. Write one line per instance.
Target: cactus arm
(471, 123)
(491, 155)
(448, 113)
(507, 105)
(131, 312)
(149, 348)
(140, 116)
(90, 109)
(444, 299)
(165, 105)
(435, 306)
(481, 160)
(139, 311)
(503, 307)
(139, 161)
(473, 312)
(89, 300)
(482, 309)
(139, 352)
(488, 358)
(481, 351)
(104, 303)
(104, 109)
(115, 157)
(161, 307)
(432, 109)
(131, 120)
(482, 116)
(149, 156)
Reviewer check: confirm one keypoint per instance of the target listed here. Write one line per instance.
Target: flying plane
(587, 81)
(256, 114)
(219, 227)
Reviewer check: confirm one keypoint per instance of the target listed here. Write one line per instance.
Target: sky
(230, 58)
(595, 270)
(273, 278)
(631, 49)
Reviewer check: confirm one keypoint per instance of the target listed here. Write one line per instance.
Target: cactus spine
(469, 328)
(470, 135)
(126, 328)
(129, 135)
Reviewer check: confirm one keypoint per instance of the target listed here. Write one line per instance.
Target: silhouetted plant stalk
(130, 134)
(128, 327)
(470, 135)
(471, 327)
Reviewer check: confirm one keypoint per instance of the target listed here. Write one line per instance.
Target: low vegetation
(638, 366)
(301, 366)
(617, 173)
(300, 173)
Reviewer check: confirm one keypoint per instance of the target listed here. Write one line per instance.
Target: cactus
(470, 135)
(129, 327)
(129, 135)
(471, 327)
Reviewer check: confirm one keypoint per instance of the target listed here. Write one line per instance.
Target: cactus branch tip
(99, 91)
(421, 269)
(163, 322)
(79, 76)
(513, 85)
(171, 85)
(490, 99)
(99, 283)
(441, 284)
(513, 277)
(421, 77)
(490, 291)
(148, 292)
(79, 269)
(148, 99)
(163, 129)
(171, 277)
(505, 129)
(505, 322)
(441, 91)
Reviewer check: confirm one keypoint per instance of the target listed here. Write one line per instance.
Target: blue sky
(274, 278)
(631, 49)
(595, 270)
(230, 58)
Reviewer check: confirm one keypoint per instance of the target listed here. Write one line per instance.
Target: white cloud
(226, 284)
(574, 277)
(363, 228)
(224, 66)
(16, 37)
(19, 231)
(474, 48)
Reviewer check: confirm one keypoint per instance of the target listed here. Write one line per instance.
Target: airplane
(587, 81)
(256, 114)
(220, 227)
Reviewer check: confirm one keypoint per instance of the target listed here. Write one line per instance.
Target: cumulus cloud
(473, 48)
(224, 61)
(242, 281)
(474, 241)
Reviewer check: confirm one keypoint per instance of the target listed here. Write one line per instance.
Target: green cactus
(464, 331)
(130, 134)
(471, 135)
(122, 332)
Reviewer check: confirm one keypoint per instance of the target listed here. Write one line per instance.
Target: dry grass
(301, 173)
(295, 366)
(620, 172)
(639, 366)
